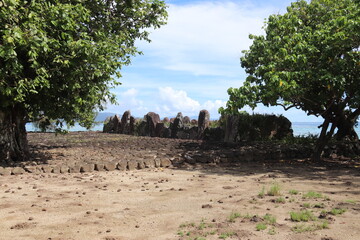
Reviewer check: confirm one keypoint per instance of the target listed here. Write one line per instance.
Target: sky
(192, 61)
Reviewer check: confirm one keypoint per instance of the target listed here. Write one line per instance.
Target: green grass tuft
(260, 226)
(274, 190)
(303, 216)
(293, 192)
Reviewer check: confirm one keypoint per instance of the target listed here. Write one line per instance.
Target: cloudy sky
(195, 58)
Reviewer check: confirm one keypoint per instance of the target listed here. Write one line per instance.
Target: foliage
(309, 59)
(337, 211)
(312, 194)
(261, 194)
(293, 192)
(233, 216)
(260, 226)
(303, 216)
(60, 58)
(274, 190)
(299, 228)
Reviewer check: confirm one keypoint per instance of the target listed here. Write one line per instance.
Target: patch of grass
(262, 192)
(181, 233)
(202, 225)
(269, 219)
(272, 231)
(293, 192)
(306, 205)
(350, 201)
(303, 216)
(199, 238)
(226, 235)
(260, 226)
(248, 216)
(274, 190)
(337, 211)
(319, 205)
(312, 194)
(234, 216)
(280, 200)
(299, 228)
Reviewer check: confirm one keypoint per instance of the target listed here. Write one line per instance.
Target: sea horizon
(299, 128)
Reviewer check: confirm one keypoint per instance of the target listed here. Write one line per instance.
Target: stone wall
(231, 128)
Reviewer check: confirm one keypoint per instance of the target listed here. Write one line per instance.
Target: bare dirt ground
(216, 200)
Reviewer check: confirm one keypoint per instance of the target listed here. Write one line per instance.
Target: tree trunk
(321, 142)
(346, 128)
(13, 141)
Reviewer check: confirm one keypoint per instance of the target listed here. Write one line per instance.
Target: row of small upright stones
(151, 125)
(88, 167)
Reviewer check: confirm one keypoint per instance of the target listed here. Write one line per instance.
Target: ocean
(299, 128)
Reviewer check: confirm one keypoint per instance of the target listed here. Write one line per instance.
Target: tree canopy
(308, 59)
(59, 58)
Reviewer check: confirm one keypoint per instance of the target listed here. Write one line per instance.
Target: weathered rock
(165, 133)
(203, 122)
(33, 169)
(87, 167)
(132, 126)
(214, 134)
(141, 164)
(141, 129)
(132, 165)
(47, 169)
(125, 123)
(74, 169)
(149, 163)
(5, 171)
(165, 162)
(194, 122)
(157, 162)
(177, 125)
(112, 125)
(99, 167)
(186, 120)
(18, 170)
(152, 119)
(110, 166)
(122, 165)
(231, 128)
(56, 169)
(166, 120)
(64, 169)
(159, 129)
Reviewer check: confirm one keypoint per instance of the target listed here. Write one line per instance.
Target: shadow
(208, 157)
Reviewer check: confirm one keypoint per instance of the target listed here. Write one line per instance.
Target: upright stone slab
(186, 120)
(176, 125)
(132, 125)
(159, 128)
(125, 123)
(203, 122)
(231, 128)
(152, 119)
(112, 124)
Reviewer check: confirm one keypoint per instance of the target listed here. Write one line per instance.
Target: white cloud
(177, 100)
(173, 101)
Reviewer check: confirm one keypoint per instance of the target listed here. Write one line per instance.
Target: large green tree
(307, 59)
(59, 58)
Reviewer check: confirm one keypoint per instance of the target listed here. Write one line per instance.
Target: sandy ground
(201, 202)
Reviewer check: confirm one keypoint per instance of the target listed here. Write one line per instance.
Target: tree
(59, 59)
(308, 59)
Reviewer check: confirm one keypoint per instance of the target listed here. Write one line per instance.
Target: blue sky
(193, 60)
